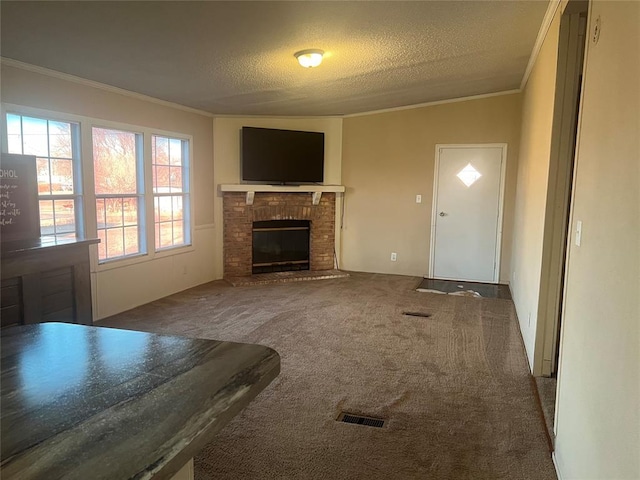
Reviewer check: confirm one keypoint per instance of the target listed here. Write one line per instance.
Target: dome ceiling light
(309, 58)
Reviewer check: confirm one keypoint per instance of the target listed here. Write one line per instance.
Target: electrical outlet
(394, 256)
(184, 269)
(418, 198)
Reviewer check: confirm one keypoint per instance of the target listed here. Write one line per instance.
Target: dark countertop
(84, 402)
(19, 246)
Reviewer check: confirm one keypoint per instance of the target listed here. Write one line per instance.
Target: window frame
(185, 193)
(85, 149)
(140, 194)
(78, 197)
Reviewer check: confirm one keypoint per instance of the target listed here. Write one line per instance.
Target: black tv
(275, 156)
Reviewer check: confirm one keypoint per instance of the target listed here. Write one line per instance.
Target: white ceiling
(236, 57)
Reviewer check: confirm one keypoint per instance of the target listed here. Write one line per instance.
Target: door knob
(442, 214)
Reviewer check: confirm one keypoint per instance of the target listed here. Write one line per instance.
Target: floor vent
(360, 420)
(417, 314)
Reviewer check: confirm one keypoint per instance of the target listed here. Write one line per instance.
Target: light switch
(578, 232)
(418, 198)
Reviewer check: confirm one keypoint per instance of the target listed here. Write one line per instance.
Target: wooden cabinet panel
(11, 302)
(46, 283)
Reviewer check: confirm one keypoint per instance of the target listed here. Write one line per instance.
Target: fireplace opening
(280, 246)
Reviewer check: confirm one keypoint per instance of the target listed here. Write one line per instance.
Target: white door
(467, 216)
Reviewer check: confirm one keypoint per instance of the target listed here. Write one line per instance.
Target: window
(141, 182)
(119, 191)
(56, 147)
(170, 164)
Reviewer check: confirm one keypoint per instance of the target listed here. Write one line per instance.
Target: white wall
(531, 190)
(120, 286)
(226, 142)
(598, 409)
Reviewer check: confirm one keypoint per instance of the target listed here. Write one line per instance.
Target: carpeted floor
(454, 386)
(547, 391)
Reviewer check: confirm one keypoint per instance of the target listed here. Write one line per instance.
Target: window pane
(166, 235)
(160, 152)
(162, 179)
(14, 134)
(131, 240)
(176, 179)
(178, 233)
(177, 207)
(102, 246)
(115, 162)
(115, 244)
(65, 216)
(66, 236)
(47, 226)
(119, 216)
(157, 236)
(114, 212)
(175, 149)
(60, 140)
(101, 213)
(163, 209)
(34, 137)
(156, 210)
(44, 180)
(130, 210)
(61, 176)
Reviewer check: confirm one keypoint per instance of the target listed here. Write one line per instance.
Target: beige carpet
(547, 393)
(454, 386)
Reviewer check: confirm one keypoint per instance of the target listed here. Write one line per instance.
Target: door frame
(572, 44)
(434, 202)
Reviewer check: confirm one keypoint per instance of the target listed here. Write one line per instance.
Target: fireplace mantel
(251, 189)
(248, 187)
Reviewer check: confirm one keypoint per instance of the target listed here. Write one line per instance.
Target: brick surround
(238, 218)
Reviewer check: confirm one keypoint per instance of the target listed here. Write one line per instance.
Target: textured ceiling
(237, 57)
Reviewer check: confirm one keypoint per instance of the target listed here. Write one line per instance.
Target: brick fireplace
(238, 218)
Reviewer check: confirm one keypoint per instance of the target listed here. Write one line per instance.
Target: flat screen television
(281, 156)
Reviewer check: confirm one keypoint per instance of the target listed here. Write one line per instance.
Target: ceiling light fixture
(309, 58)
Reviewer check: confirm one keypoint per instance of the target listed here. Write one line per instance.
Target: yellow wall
(531, 191)
(598, 419)
(127, 285)
(388, 158)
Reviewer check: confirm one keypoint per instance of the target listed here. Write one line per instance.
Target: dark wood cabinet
(46, 281)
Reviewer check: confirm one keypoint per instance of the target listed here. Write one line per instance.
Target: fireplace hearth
(280, 246)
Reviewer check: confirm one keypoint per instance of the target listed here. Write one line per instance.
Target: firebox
(280, 245)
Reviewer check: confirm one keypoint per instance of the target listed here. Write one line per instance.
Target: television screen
(282, 156)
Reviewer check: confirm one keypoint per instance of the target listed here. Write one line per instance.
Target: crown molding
(552, 8)
(437, 102)
(102, 86)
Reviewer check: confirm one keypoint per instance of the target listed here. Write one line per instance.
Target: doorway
(571, 51)
(466, 226)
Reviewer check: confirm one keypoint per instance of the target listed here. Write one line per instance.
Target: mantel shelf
(245, 187)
